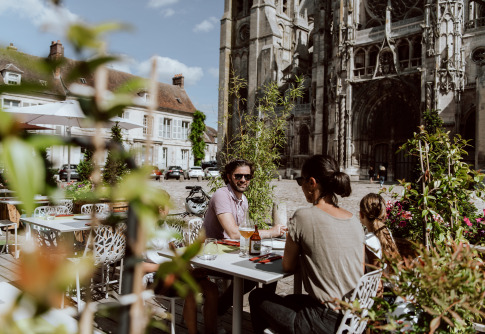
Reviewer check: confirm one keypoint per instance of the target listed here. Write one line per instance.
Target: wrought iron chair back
(365, 292)
(98, 207)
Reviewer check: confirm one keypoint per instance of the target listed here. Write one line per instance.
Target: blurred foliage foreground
(44, 277)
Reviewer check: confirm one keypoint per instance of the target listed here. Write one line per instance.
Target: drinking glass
(246, 229)
(210, 250)
(266, 246)
(50, 216)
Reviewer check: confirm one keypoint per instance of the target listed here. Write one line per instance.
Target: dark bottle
(255, 242)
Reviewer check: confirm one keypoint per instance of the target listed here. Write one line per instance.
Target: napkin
(228, 242)
(64, 215)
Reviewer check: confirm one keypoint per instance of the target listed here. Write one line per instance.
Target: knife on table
(260, 257)
(271, 259)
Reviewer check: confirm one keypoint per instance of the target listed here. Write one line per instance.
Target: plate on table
(83, 217)
(278, 244)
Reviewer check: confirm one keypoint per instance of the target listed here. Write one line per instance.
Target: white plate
(277, 244)
(83, 217)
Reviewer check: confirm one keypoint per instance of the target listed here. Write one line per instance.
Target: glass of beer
(246, 229)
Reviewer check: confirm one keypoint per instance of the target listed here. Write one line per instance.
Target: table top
(61, 224)
(229, 262)
(14, 201)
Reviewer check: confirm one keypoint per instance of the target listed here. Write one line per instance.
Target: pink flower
(478, 220)
(467, 221)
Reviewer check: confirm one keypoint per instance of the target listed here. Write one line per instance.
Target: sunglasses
(238, 177)
(299, 180)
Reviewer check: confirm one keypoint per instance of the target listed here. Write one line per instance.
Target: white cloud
(168, 12)
(206, 25)
(161, 3)
(124, 64)
(168, 67)
(214, 72)
(41, 13)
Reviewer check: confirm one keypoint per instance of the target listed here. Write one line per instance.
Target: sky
(183, 34)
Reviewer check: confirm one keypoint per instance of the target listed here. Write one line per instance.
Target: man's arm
(229, 225)
(290, 258)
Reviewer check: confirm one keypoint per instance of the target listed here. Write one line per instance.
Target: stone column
(224, 75)
(341, 131)
(480, 119)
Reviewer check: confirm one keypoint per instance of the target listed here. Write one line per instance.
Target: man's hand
(274, 232)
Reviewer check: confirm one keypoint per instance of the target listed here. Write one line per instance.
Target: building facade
(168, 126)
(372, 67)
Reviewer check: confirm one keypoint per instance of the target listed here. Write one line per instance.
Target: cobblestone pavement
(285, 191)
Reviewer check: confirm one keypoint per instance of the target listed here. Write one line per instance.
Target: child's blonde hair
(373, 207)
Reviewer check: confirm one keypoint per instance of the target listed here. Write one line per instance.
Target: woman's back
(332, 252)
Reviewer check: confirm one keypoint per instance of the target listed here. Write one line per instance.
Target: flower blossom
(467, 221)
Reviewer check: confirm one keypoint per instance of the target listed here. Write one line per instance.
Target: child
(378, 240)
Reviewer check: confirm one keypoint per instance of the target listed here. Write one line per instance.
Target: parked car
(195, 172)
(156, 173)
(210, 163)
(174, 172)
(211, 172)
(64, 171)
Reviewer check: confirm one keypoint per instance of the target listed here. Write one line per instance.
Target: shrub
(446, 285)
(259, 138)
(439, 200)
(79, 191)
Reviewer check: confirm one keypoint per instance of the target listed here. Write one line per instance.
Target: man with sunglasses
(227, 209)
(228, 206)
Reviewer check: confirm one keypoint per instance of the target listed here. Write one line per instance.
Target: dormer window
(178, 100)
(12, 78)
(83, 81)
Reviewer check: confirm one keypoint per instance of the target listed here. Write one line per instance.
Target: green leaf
(25, 170)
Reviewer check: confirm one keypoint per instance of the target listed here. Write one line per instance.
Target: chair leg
(107, 281)
(6, 239)
(172, 314)
(78, 292)
(120, 277)
(16, 242)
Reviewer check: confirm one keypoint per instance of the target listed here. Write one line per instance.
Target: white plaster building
(169, 126)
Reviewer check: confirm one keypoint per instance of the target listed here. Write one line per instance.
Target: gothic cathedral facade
(371, 68)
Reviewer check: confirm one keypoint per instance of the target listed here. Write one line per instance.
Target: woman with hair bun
(325, 243)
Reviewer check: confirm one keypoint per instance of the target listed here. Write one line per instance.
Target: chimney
(11, 47)
(178, 80)
(57, 50)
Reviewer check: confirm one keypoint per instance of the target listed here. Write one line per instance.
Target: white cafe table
(229, 262)
(66, 225)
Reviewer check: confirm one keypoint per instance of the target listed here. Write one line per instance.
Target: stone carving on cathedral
(478, 55)
(429, 96)
(386, 63)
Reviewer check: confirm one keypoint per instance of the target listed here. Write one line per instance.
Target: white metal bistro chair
(7, 224)
(98, 208)
(189, 234)
(365, 291)
(45, 237)
(109, 245)
(68, 203)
